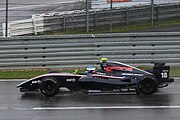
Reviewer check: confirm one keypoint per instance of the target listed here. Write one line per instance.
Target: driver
(90, 70)
(103, 64)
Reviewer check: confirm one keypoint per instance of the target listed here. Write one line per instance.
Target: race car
(112, 77)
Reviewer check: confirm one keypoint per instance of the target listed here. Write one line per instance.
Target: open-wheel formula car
(113, 77)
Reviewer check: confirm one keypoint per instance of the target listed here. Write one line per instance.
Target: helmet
(90, 70)
(103, 64)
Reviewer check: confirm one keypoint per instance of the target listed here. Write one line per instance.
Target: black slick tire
(147, 86)
(49, 86)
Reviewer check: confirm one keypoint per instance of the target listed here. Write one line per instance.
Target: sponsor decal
(94, 91)
(118, 68)
(106, 77)
(165, 74)
(71, 80)
(132, 74)
(36, 82)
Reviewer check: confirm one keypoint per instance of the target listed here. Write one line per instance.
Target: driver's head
(90, 70)
(103, 64)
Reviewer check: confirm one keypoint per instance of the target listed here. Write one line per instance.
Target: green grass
(175, 72)
(20, 74)
(26, 74)
(120, 28)
(29, 73)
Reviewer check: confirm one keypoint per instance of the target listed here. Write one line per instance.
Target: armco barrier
(84, 50)
(19, 27)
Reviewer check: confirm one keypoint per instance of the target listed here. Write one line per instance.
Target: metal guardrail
(77, 19)
(102, 17)
(84, 50)
(19, 27)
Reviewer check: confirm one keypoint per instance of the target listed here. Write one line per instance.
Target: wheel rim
(49, 87)
(147, 86)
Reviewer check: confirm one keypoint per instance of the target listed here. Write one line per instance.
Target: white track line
(107, 107)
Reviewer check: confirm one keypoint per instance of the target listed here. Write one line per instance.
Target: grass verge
(26, 74)
(119, 28)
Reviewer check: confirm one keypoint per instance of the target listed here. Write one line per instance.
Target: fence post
(110, 24)
(6, 30)
(64, 23)
(127, 16)
(95, 19)
(87, 16)
(152, 12)
(157, 13)
(34, 24)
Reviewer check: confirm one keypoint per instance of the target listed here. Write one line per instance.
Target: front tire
(49, 86)
(147, 86)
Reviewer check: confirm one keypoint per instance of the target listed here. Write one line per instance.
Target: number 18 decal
(164, 75)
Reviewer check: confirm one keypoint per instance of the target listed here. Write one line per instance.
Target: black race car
(113, 77)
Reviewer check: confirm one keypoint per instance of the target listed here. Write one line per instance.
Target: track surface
(24, 9)
(164, 105)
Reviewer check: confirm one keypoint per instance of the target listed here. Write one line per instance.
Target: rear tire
(49, 86)
(147, 86)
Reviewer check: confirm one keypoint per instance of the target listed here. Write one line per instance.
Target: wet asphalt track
(24, 9)
(164, 105)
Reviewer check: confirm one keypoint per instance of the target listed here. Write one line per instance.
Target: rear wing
(161, 72)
